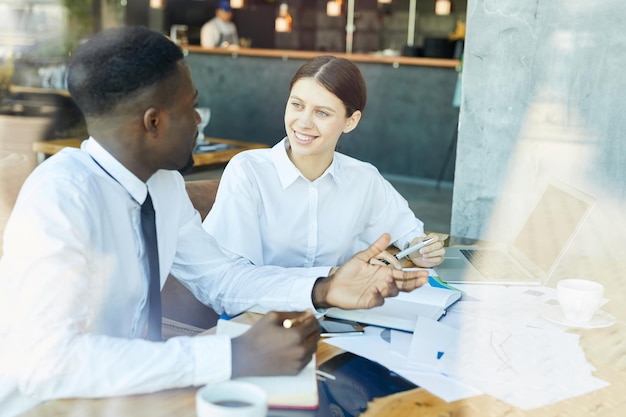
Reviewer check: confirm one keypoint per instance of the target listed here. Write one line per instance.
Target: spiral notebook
(401, 312)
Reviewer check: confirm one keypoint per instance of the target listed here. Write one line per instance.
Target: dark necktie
(148, 227)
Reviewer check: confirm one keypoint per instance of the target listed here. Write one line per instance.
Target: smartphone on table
(337, 327)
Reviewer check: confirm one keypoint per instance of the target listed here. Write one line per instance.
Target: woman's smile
(301, 137)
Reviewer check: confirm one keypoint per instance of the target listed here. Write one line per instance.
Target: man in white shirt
(220, 31)
(74, 276)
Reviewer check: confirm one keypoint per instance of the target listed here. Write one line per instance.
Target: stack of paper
(494, 341)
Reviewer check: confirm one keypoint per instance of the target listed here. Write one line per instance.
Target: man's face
(224, 15)
(180, 127)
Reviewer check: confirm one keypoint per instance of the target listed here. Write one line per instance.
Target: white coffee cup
(579, 299)
(231, 399)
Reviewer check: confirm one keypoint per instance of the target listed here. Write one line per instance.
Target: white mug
(579, 299)
(231, 399)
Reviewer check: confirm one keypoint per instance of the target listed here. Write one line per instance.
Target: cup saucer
(554, 314)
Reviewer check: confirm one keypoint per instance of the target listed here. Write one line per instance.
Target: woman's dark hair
(107, 68)
(339, 76)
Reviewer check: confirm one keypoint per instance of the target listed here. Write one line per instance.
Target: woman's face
(315, 118)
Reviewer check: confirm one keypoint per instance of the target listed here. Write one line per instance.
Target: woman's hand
(429, 256)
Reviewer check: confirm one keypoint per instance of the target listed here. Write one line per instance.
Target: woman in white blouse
(300, 203)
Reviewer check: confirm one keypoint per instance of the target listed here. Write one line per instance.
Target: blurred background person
(220, 31)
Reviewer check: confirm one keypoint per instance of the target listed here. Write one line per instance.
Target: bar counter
(407, 129)
(291, 54)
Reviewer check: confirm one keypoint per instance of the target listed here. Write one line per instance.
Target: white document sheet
(372, 346)
(492, 347)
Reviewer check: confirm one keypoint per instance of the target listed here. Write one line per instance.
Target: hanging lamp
(237, 4)
(283, 21)
(443, 7)
(333, 8)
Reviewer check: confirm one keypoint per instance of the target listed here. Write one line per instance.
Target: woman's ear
(151, 121)
(352, 121)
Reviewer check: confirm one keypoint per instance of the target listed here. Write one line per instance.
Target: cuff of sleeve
(300, 294)
(301, 291)
(212, 359)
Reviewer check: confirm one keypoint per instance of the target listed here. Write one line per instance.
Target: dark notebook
(357, 381)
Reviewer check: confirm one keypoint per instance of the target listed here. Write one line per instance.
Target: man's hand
(268, 348)
(361, 284)
(386, 258)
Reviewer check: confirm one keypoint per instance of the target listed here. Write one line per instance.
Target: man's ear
(152, 121)
(352, 121)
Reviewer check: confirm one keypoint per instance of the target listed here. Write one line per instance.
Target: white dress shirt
(73, 284)
(268, 212)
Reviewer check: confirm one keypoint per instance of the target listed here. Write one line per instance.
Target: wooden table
(604, 348)
(50, 147)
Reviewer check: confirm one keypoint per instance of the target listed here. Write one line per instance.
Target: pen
(289, 323)
(413, 248)
(410, 250)
(325, 375)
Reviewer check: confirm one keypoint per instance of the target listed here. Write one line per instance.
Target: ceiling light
(443, 7)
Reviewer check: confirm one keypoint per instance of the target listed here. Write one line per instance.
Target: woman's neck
(311, 166)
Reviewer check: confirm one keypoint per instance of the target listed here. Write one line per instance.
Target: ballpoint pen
(409, 250)
(413, 248)
(289, 323)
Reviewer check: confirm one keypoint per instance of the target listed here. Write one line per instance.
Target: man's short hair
(109, 67)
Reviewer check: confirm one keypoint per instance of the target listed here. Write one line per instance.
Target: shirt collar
(287, 171)
(137, 189)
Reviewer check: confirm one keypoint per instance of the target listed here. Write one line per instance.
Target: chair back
(183, 314)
